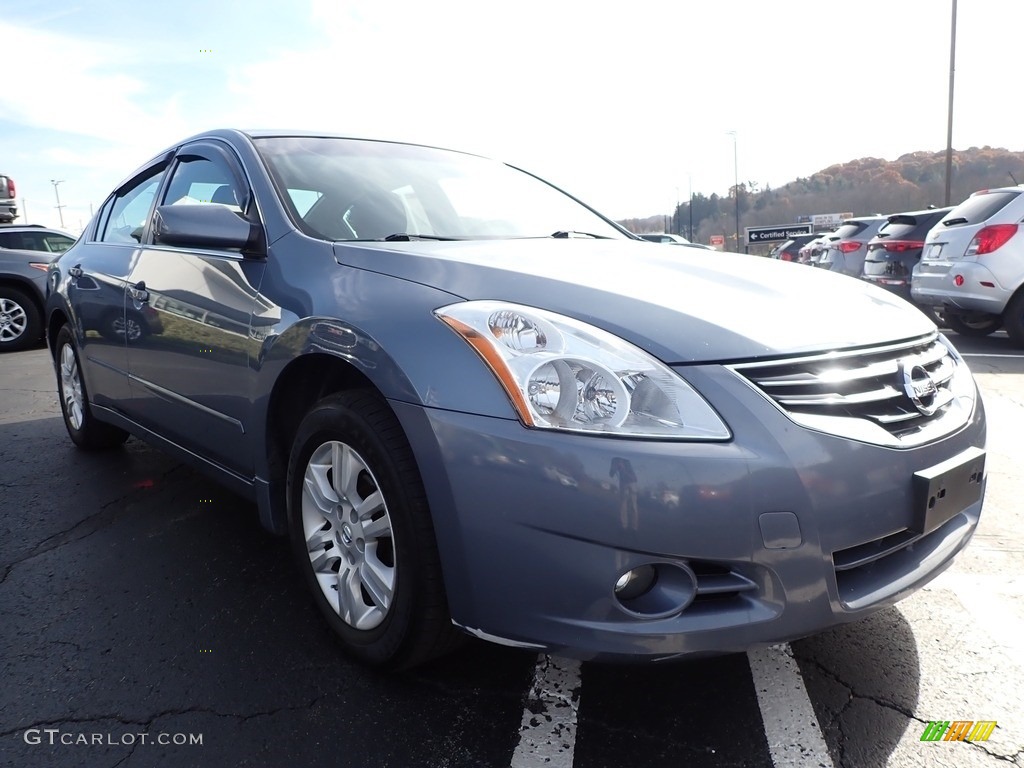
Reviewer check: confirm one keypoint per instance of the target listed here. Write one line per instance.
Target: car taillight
(785, 257)
(899, 246)
(990, 239)
(847, 246)
(11, 191)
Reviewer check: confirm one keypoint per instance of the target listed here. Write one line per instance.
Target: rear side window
(913, 227)
(849, 229)
(977, 209)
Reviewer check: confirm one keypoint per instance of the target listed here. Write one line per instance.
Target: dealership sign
(776, 234)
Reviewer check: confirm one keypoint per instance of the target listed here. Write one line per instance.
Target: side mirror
(205, 226)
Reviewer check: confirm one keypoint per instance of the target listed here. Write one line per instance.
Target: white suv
(972, 267)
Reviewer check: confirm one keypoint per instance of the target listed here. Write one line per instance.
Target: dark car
(475, 404)
(847, 246)
(22, 294)
(33, 237)
(893, 253)
(790, 250)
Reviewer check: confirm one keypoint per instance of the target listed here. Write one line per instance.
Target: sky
(629, 107)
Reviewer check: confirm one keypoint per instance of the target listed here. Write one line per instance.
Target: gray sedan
(475, 405)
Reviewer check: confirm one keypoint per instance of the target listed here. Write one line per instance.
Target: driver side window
(198, 180)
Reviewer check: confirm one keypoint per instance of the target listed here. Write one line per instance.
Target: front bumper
(785, 531)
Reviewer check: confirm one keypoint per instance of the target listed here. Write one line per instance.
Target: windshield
(350, 189)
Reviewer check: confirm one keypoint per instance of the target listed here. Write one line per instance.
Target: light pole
(677, 224)
(60, 208)
(949, 126)
(736, 185)
(690, 176)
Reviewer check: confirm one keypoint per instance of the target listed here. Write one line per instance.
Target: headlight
(562, 374)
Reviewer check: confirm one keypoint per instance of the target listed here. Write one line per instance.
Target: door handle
(138, 292)
(75, 271)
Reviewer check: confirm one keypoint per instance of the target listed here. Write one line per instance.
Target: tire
(84, 429)
(1013, 319)
(934, 314)
(375, 575)
(21, 324)
(973, 325)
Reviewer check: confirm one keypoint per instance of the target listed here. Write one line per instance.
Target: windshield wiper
(954, 222)
(564, 233)
(406, 237)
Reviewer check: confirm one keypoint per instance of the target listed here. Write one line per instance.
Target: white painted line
(990, 354)
(790, 725)
(547, 736)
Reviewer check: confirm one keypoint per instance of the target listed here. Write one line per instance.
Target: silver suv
(973, 265)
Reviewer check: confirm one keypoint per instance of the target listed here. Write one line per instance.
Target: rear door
(190, 363)
(98, 270)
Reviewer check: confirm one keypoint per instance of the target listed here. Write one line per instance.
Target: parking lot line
(790, 725)
(547, 734)
(991, 354)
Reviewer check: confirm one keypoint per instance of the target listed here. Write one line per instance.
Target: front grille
(879, 569)
(869, 384)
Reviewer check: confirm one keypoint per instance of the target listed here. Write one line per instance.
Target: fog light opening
(656, 590)
(635, 583)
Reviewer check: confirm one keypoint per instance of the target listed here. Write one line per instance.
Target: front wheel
(83, 428)
(973, 325)
(361, 533)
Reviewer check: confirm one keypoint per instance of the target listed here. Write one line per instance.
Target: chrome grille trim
(861, 393)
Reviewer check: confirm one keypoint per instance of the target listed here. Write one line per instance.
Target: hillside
(867, 185)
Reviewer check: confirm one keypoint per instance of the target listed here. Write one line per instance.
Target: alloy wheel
(349, 536)
(13, 320)
(71, 387)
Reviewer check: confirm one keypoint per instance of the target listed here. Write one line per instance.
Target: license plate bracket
(946, 489)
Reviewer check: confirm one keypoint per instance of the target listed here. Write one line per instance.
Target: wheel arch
(303, 382)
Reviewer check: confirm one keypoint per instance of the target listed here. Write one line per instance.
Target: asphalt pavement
(147, 620)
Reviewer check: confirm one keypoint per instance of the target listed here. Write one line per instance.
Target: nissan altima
(476, 406)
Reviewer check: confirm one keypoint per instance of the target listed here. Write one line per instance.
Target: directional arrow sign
(777, 233)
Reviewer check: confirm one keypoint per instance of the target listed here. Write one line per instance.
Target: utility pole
(60, 208)
(690, 238)
(949, 127)
(736, 184)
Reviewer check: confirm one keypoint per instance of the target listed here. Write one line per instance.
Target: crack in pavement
(854, 694)
(151, 719)
(94, 523)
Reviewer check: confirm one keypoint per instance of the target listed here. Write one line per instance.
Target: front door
(190, 368)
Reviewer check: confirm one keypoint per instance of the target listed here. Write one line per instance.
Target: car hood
(680, 304)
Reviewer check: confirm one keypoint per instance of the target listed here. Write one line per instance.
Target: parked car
(790, 249)
(846, 248)
(22, 294)
(893, 253)
(476, 404)
(33, 237)
(8, 200)
(663, 237)
(812, 251)
(973, 265)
